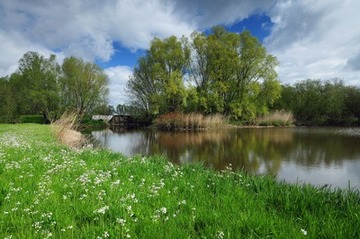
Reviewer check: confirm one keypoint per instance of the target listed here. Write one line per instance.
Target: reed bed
(178, 121)
(276, 118)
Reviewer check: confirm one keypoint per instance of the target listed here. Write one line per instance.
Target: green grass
(50, 191)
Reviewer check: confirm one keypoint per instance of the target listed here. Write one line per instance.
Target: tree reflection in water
(251, 149)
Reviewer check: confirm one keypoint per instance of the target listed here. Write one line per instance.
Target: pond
(320, 156)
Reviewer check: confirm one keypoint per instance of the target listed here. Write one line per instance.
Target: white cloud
(118, 77)
(13, 46)
(316, 39)
(209, 13)
(312, 39)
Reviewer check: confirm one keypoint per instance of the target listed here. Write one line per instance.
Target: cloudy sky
(315, 39)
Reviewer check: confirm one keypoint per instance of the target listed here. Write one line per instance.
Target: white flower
(102, 210)
(220, 234)
(304, 232)
(121, 221)
(163, 210)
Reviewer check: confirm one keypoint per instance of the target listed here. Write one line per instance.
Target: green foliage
(156, 84)
(88, 124)
(102, 109)
(315, 102)
(7, 101)
(35, 119)
(83, 86)
(47, 190)
(232, 74)
(41, 86)
(40, 76)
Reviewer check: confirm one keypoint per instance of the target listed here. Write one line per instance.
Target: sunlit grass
(50, 191)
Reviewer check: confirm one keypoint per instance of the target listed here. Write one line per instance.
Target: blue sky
(311, 38)
(258, 24)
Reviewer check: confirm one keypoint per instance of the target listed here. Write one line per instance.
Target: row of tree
(232, 74)
(316, 102)
(41, 86)
(222, 72)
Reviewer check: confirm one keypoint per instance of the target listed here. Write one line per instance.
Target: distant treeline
(42, 87)
(316, 102)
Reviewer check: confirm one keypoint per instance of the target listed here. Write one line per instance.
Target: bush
(90, 124)
(35, 119)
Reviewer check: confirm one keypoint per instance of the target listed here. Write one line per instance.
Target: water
(320, 156)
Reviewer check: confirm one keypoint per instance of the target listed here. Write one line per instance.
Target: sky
(314, 39)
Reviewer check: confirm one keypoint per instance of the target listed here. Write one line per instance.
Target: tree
(233, 74)
(7, 103)
(352, 104)
(157, 82)
(316, 102)
(36, 85)
(83, 85)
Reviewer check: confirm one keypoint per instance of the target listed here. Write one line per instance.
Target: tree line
(316, 102)
(42, 86)
(232, 74)
(217, 73)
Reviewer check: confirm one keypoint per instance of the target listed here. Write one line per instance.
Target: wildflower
(163, 210)
(102, 210)
(121, 221)
(220, 234)
(304, 232)
(115, 183)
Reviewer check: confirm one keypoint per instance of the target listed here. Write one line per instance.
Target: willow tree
(83, 85)
(157, 82)
(233, 74)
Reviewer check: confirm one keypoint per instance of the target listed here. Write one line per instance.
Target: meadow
(48, 190)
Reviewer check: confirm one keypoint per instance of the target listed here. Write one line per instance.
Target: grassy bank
(50, 191)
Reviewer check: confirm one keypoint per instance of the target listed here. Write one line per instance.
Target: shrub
(35, 119)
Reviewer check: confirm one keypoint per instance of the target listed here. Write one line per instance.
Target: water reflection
(316, 155)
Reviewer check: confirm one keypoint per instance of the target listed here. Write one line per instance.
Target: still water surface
(306, 155)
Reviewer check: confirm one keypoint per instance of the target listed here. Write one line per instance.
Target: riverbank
(50, 191)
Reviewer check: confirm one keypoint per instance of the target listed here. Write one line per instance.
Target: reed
(178, 121)
(276, 118)
(65, 130)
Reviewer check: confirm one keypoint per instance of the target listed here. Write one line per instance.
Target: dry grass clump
(175, 121)
(277, 118)
(65, 130)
